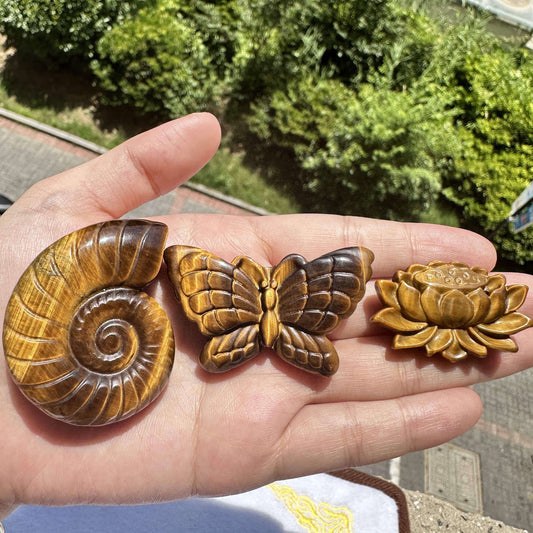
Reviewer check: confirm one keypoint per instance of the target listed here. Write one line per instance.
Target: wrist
(6, 509)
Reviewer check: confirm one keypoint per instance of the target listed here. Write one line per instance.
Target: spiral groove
(81, 340)
(114, 342)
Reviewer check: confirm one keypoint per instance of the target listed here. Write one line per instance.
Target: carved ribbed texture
(289, 307)
(81, 340)
(451, 309)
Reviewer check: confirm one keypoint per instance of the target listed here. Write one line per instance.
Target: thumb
(135, 172)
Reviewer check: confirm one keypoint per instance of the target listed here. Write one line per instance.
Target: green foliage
(228, 174)
(376, 152)
(278, 40)
(61, 29)
(170, 59)
(216, 21)
(157, 62)
(441, 113)
(496, 131)
(329, 83)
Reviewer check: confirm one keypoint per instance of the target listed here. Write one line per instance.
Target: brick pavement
(503, 439)
(28, 155)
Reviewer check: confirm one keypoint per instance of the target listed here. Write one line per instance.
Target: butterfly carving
(291, 307)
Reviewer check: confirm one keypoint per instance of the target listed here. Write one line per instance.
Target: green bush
(156, 62)
(61, 29)
(496, 132)
(279, 40)
(216, 21)
(440, 113)
(375, 152)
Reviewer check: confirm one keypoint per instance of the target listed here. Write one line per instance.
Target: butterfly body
(290, 307)
(270, 323)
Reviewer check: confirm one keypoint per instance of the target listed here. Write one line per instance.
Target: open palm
(223, 433)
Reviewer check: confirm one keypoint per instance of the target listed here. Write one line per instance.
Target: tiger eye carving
(451, 309)
(81, 340)
(291, 307)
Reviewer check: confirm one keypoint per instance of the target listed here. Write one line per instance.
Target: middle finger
(371, 370)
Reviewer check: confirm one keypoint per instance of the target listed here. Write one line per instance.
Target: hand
(218, 434)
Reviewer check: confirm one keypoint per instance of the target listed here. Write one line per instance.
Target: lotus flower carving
(451, 309)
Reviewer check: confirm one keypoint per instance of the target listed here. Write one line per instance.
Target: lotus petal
(393, 319)
(416, 340)
(469, 344)
(507, 344)
(495, 282)
(387, 293)
(440, 341)
(497, 305)
(516, 294)
(481, 302)
(456, 309)
(434, 264)
(409, 299)
(402, 276)
(454, 352)
(430, 300)
(507, 325)
(416, 268)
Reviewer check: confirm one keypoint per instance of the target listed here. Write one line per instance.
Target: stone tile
(24, 161)
(502, 439)
(453, 474)
(159, 206)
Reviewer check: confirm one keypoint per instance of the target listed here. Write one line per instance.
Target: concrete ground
(428, 514)
(488, 471)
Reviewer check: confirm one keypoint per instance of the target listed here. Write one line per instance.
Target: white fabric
(372, 511)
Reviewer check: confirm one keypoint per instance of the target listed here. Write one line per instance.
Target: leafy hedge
(443, 112)
(375, 152)
(62, 29)
(170, 58)
(155, 62)
(496, 133)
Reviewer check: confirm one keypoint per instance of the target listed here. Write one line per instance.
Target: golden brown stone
(290, 307)
(451, 309)
(82, 342)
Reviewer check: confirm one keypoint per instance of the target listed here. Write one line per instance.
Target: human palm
(222, 433)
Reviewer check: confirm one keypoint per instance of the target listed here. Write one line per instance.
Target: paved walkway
(488, 470)
(28, 155)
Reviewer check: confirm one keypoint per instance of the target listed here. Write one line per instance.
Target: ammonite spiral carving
(81, 340)
(290, 307)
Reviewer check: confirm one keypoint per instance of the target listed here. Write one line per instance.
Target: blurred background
(398, 109)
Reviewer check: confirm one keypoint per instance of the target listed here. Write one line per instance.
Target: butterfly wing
(224, 352)
(313, 297)
(314, 353)
(223, 299)
(217, 295)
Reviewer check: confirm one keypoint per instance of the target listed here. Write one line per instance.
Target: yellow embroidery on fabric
(321, 518)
